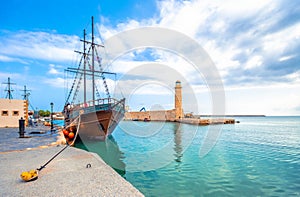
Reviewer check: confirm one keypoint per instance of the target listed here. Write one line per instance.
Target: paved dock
(197, 121)
(66, 175)
(10, 141)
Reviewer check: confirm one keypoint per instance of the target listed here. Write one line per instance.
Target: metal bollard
(21, 127)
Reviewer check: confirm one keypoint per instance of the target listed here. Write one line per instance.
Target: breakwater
(169, 116)
(196, 121)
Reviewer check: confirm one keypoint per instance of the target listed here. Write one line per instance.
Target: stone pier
(174, 115)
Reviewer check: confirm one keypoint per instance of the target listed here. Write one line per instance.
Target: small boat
(58, 117)
(146, 120)
(98, 117)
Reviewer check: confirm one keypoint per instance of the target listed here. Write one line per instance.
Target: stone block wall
(168, 115)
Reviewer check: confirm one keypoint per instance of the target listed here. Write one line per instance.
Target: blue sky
(254, 44)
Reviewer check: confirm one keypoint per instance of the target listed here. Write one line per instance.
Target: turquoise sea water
(258, 157)
(59, 122)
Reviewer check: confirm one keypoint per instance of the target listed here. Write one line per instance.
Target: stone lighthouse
(178, 101)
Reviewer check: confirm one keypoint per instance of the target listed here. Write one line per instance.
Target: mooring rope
(77, 131)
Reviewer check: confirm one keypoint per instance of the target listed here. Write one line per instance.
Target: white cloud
(55, 82)
(4, 58)
(38, 45)
(275, 44)
(237, 10)
(222, 56)
(238, 36)
(186, 16)
(254, 61)
(53, 70)
(5, 75)
(144, 87)
(285, 58)
(294, 77)
(217, 26)
(279, 99)
(212, 23)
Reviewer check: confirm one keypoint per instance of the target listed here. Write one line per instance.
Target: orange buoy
(65, 132)
(71, 135)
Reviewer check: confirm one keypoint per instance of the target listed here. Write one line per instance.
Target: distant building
(178, 101)
(11, 110)
(161, 115)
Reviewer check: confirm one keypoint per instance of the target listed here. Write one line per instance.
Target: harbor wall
(160, 115)
(169, 115)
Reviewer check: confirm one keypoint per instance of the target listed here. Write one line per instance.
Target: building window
(4, 113)
(15, 113)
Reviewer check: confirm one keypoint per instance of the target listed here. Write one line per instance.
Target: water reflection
(108, 150)
(178, 142)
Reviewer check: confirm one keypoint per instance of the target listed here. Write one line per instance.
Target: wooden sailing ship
(98, 117)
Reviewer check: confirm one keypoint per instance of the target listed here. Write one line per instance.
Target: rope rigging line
(100, 65)
(102, 75)
(105, 54)
(90, 67)
(74, 82)
(96, 88)
(79, 75)
(80, 78)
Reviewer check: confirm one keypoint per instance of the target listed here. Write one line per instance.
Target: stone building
(161, 115)
(178, 101)
(11, 110)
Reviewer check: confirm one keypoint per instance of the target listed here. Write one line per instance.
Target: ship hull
(95, 123)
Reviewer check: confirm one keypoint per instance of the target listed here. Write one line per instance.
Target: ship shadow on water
(107, 149)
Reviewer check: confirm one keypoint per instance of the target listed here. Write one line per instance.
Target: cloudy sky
(253, 44)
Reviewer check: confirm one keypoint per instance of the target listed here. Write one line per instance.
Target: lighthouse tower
(178, 101)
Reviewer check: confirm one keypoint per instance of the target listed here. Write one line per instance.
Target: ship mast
(26, 94)
(9, 90)
(89, 68)
(93, 61)
(84, 67)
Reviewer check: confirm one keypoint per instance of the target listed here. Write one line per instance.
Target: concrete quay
(66, 175)
(10, 140)
(204, 122)
(169, 116)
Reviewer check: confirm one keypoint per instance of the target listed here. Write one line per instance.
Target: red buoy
(65, 132)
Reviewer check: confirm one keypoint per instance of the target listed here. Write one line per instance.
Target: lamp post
(51, 116)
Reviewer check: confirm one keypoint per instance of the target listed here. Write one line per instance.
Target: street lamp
(51, 116)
